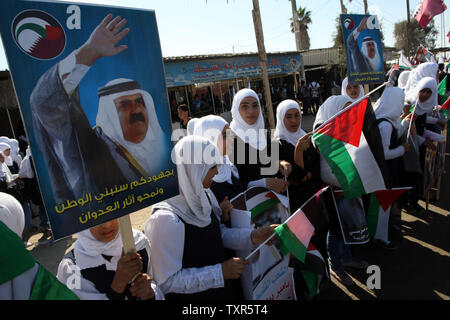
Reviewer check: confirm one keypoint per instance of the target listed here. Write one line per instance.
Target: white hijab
(329, 108)
(403, 79)
(3, 147)
(88, 250)
(252, 134)
(11, 213)
(191, 126)
(14, 149)
(390, 106)
(5, 173)
(108, 120)
(280, 131)
(344, 90)
(192, 204)
(25, 170)
(427, 106)
(427, 69)
(211, 127)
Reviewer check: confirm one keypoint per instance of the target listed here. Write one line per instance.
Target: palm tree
(304, 19)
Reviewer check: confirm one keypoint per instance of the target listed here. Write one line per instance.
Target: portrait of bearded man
(125, 144)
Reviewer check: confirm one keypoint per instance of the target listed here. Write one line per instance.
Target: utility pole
(263, 61)
(366, 7)
(298, 40)
(295, 23)
(366, 11)
(407, 29)
(343, 9)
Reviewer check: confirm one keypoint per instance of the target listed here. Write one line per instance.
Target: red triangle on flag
(347, 127)
(387, 197)
(311, 247)
(446, 104)
(271, 195)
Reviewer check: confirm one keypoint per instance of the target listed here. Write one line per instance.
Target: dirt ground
(419, 269)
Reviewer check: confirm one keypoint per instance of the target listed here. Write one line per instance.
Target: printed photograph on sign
(363, 48)
(91, 88)
(257, 207)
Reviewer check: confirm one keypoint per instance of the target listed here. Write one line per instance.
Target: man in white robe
(127, 141)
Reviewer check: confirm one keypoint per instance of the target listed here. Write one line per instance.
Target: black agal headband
(120, 87)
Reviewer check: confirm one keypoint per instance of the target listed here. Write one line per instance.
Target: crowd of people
(18, 178)
(187, 248)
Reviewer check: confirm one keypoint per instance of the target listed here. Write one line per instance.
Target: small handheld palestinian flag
(294, 235)
(379, 211)
(444, 112)
(259, 199)
(442, 91)
(296, 232)
(314, 271)
(350, 142)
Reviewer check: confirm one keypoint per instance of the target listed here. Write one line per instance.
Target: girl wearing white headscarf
(104, 271)
(388, 110)
(254, 142)
(295, 148)
(354, 92)
(187, 239)
(6, 162)
(403, 79)
(15, 156)
(426, 98)
(226, 183)
(427, 69)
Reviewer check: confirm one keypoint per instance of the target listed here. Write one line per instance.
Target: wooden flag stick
(126, 233)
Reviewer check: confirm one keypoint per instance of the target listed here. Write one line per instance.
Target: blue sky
(194, 27)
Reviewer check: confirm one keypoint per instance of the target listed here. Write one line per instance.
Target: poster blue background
(375, 34)
(142, 61)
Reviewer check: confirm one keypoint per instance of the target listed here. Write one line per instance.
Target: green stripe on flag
(290, 243)
(263, 206)
(311, 280)
(341, 165)
(372, 215)
(48, 287)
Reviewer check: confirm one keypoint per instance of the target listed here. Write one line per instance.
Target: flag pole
(299, 209)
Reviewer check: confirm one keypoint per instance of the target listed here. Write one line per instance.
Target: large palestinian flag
(351, 144)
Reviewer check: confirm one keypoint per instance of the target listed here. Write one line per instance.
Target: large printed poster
(363, 47)
(91, 87)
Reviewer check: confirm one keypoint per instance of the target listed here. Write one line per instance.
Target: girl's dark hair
(183, 107)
